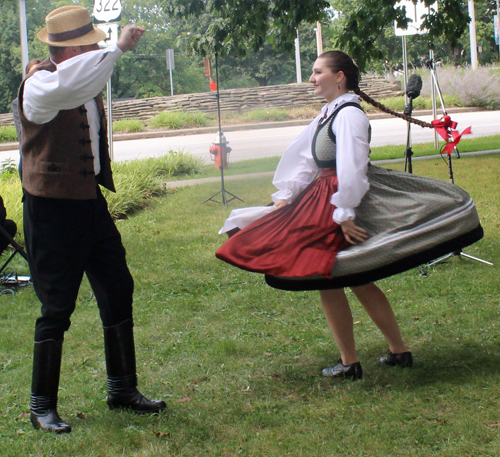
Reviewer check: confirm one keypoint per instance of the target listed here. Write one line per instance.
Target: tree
(270, 66)
(238, 25)
(143, 71)
(10, 46)
(365, 24)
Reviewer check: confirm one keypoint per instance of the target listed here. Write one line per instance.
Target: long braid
(340, 61)
(384, 108)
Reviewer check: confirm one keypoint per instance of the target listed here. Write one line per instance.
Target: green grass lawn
(239, 363)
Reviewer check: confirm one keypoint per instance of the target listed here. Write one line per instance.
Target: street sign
(111, 31)
(170, 59)
(415, 13)
(170, 67)
(107, 10)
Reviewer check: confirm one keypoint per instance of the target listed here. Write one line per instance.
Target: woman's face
(326, 83)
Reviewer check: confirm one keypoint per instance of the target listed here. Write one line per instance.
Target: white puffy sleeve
(297, 168)
(351, 128)
(75, 82)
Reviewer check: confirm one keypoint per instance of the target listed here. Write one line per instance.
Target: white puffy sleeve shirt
(297, 168)
(77, 81)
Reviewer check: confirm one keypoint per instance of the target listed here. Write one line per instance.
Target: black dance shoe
(352, 371)
(403, 360)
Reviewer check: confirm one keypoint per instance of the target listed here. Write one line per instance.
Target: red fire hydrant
(219, 151)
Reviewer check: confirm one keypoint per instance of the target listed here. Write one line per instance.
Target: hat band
(71, 34)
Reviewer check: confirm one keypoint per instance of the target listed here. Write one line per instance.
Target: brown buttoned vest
(57, 156)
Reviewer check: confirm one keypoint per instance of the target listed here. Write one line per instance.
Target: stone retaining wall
(237, 100)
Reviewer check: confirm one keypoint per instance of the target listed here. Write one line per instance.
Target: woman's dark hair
(340, 61)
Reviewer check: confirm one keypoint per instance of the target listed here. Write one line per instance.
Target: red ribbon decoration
(446, 128)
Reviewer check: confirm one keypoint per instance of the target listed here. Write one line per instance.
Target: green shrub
(398, 103)
(468, 87)
(172, 120)
(304, 112)
(272, 114)
(133, 189)
(7, 134)
(128, 126)
(8, 166)
(136, 181)
(172, 163)
(12, 194)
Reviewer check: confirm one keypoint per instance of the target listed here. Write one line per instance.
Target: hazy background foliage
(143, 73)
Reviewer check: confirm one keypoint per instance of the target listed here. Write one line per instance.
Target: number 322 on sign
(107, 10)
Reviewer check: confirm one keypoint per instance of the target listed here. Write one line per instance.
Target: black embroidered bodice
(324, 144)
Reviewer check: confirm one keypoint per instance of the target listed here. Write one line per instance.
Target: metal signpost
(170, 67)
(106, 15)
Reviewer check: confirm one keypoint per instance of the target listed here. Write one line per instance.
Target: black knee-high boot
(121, 368)
(45, 384)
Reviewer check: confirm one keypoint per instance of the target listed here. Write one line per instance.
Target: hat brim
(93, 37)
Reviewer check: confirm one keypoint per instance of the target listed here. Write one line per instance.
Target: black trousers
(64, 240)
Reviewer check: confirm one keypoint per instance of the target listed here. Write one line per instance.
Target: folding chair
(17, 248)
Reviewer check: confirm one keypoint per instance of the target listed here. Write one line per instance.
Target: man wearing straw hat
(67, 225)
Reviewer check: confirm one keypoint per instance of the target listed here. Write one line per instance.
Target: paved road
(253, 144)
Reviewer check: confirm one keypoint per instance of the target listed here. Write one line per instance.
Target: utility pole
(319, 38)
(498, 24)
(472, 33)
(298, 67)
(24, 36)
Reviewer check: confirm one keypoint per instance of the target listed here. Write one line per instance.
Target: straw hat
(70, 26)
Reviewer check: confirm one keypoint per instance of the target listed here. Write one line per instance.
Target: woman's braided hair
(340, 61)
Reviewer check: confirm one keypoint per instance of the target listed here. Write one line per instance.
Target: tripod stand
(408, 151)
(222, 147)
(430, 65)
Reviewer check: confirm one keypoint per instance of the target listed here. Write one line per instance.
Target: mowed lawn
(239, 363)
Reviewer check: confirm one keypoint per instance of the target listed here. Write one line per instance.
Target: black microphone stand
(408, 151)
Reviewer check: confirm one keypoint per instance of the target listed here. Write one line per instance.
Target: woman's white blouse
(297, 168)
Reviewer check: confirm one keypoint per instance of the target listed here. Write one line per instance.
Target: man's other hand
(129, 37)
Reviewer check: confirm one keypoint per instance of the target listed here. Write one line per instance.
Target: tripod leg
(440, 260)
(475, 258)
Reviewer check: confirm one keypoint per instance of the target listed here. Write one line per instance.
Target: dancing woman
(340, 222)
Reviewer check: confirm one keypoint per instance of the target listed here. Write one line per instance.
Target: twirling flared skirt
(410, 220)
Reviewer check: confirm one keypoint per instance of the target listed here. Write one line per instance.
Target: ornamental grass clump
(172, 120)
(128, 126)
(7, 134)
(261, 115)
(136, 181)
(469, 87)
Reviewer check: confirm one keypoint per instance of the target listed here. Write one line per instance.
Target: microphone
(414, 86)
